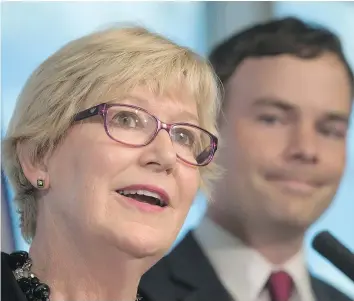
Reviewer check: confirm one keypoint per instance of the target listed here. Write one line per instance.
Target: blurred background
(31, 31)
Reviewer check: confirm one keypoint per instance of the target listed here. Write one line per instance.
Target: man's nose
(303, 144)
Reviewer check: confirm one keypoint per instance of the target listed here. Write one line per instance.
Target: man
(288, 91)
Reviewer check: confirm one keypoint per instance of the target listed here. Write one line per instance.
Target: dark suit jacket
(186, 275)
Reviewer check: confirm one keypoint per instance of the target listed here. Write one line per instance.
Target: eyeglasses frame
(101, 109)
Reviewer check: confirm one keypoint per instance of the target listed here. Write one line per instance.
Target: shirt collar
(241, 269)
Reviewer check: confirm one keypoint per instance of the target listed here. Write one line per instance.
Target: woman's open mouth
(144, 196)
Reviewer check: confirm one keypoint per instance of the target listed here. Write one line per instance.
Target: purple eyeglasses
(135, 127)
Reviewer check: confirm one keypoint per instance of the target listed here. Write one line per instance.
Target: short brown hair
(284, 36)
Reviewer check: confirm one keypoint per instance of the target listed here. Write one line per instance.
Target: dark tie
(280, 286)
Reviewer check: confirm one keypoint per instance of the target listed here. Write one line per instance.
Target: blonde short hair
(78, 75)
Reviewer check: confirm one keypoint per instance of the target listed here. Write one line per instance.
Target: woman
(110, 140)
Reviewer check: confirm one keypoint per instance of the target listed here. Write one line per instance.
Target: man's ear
(35, 171)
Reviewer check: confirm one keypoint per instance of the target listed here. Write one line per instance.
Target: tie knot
(280, 286)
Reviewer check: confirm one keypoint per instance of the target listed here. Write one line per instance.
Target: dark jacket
(10, 290)
(186, 275)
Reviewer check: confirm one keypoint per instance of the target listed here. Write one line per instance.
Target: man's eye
(334, 133)
(269, 119)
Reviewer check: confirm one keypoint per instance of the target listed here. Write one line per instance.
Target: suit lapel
(190, 267)
(319, 294)
(318, 289)
(183, 275)
(207, 294)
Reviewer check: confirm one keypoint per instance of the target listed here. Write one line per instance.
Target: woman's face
(88, 168)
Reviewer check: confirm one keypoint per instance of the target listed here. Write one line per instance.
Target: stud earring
(40, 183)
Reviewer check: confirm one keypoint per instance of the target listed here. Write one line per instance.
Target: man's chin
(295, 224)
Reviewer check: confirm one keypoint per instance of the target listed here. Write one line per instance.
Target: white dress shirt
(243, 271)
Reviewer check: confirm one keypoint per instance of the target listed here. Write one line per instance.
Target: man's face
(284, 139)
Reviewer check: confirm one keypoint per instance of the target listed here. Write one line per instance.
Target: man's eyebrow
(273, 102)
(286, 106)
(337, 116)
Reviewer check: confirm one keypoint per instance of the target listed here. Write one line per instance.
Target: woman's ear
(35, 171)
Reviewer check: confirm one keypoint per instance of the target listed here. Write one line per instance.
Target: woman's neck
(78, 269)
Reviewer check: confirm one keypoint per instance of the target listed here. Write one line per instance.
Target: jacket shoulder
(329, 292)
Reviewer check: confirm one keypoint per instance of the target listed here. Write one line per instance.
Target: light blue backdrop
(33, 31)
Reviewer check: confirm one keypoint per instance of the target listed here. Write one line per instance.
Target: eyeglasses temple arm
(93, 111)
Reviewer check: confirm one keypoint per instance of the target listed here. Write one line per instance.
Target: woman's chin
(144, 247)
(137, 240)
(146, 244)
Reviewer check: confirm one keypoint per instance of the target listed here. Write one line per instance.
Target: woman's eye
(126, 120)
(185, 138)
